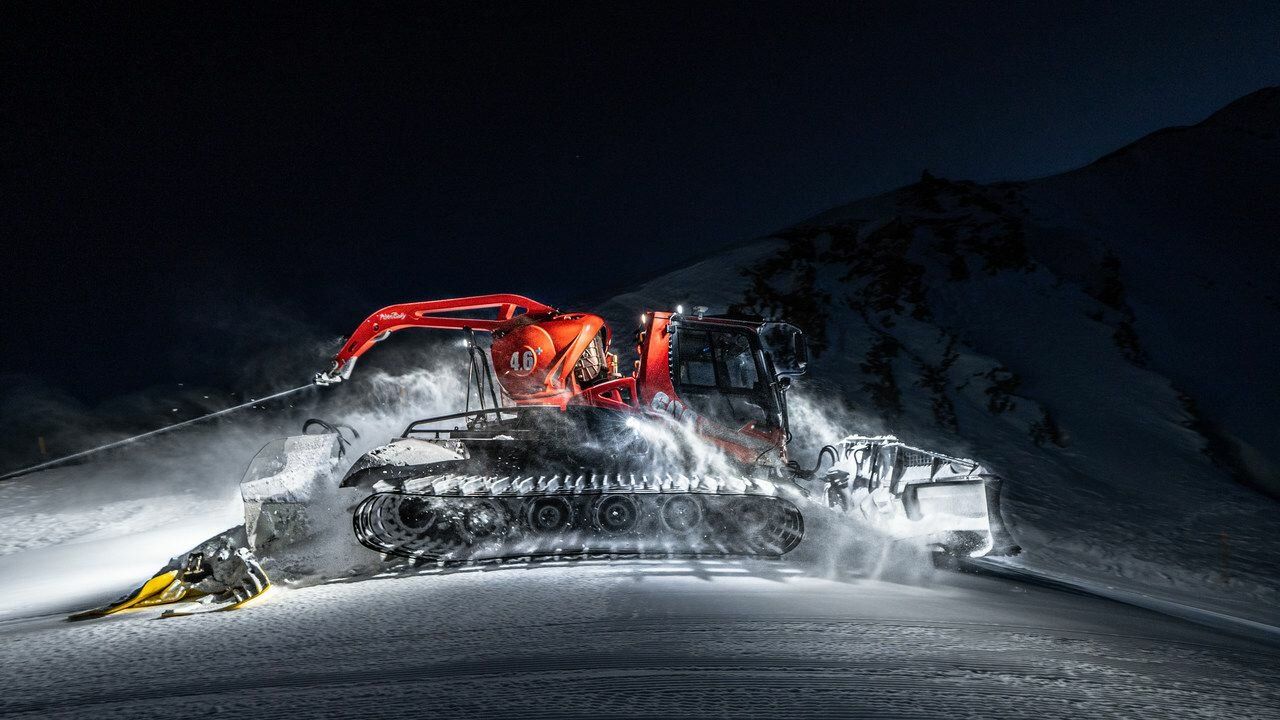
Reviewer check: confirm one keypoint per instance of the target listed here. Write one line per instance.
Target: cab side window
(717, 373)
(695, 359)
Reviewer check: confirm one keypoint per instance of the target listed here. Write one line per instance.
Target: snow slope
(642, 639)
(1104, 338)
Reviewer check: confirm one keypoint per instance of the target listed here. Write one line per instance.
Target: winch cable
(150, 433)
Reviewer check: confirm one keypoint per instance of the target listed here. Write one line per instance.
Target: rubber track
(467, 518)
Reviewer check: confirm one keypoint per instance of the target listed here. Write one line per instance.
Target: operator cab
(734, 371)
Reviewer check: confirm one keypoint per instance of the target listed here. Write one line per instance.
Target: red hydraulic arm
(427, 314)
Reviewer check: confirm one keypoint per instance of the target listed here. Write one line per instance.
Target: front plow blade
(906, 493)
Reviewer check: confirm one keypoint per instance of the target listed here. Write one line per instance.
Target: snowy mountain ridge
(1104, 337)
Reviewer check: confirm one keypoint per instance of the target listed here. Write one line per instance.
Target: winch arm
(427, 314)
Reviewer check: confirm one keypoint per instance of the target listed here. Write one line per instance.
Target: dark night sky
(169, 179)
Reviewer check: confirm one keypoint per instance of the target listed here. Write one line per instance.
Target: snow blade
(220, 574)
(451, 518)
(907, 493)
(151, 592)
(234, 602)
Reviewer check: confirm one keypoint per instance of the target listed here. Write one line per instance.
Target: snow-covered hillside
(1105, 338)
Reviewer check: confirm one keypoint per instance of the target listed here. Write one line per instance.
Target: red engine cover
(534, 356)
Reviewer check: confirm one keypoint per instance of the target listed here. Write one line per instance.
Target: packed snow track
(638, 638)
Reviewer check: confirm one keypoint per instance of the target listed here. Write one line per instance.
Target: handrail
(514, 409)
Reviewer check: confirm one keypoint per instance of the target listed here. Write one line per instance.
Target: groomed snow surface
(642, 639)
(841, 630)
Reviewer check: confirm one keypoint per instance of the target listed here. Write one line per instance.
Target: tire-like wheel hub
(549, 514)
(682, 514)
(617, 514)
(485, 520)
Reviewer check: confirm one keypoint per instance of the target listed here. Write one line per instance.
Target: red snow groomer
(564, 455)
(567, 455)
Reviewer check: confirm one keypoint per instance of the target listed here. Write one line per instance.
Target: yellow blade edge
(158, 583)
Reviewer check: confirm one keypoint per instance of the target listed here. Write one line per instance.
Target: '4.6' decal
(522, 361)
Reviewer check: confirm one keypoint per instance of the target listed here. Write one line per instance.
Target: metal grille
(913, 458)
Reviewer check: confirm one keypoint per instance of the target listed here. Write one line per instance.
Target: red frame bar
(425, 315)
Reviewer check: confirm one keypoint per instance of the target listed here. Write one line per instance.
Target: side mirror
(801, 349)
(786, 344)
